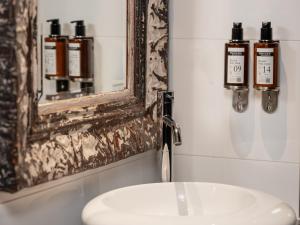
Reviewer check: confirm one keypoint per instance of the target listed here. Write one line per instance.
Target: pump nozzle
(266, 31)
(54, 21)
(237, 31)
(79, 28)
(55, 26)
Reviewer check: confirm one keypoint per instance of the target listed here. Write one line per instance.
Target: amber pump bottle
(236, 59)
(56, 56)
(81, 56)
(266, 60)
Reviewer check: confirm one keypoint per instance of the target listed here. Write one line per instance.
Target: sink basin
(187, 204)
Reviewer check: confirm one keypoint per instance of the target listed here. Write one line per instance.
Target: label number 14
(267, 69)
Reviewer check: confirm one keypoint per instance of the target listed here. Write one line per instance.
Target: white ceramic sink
(187, 204)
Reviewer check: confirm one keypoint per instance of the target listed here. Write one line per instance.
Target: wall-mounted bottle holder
(269, 99)
(63, 89)
(240, 98)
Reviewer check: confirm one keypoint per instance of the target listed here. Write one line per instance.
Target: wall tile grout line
(233, 158)
(222, 39)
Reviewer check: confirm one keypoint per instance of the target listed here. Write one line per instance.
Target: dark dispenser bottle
(236, 60)
(56, 60)
(266, 53)
(81, 56)
(56, 53)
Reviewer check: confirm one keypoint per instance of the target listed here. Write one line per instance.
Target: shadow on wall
(242, 127)
(274, 126)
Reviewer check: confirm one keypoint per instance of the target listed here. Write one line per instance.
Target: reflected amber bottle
(56, 53)
(236, 60)
(266, 60)
(81, 55)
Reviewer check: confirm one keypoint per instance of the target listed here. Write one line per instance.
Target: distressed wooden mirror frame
(37, 147)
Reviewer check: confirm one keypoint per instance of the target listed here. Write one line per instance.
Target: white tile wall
(61, 202)
(253, 149)
(212, 19)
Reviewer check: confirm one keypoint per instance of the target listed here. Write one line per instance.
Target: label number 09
(237, 69)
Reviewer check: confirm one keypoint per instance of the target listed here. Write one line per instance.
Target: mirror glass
(82, 48)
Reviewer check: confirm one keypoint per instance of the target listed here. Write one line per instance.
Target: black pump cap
(55, 27)
(266, 32)
(237, 31)
(79, 28)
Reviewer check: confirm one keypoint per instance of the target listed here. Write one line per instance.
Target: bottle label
(265, 65)
(236, 65)
(74, 60)
(50, 58)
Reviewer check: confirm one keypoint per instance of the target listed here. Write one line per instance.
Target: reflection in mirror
(83, 48)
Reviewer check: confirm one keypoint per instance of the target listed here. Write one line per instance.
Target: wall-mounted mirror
(82, 48)
(75, 104)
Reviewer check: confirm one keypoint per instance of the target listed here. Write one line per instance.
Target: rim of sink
(186, 203)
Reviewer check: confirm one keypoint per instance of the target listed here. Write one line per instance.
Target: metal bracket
(270, 100)
(240, 99)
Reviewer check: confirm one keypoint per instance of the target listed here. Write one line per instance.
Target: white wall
(61, 202)
(253, 149)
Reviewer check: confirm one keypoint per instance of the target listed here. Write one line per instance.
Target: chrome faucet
(171, 133)
(168, 121)
(171, 130)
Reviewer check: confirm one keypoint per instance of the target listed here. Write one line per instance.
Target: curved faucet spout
(175, 129)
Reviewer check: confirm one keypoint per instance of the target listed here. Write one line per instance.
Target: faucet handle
(168, 95)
